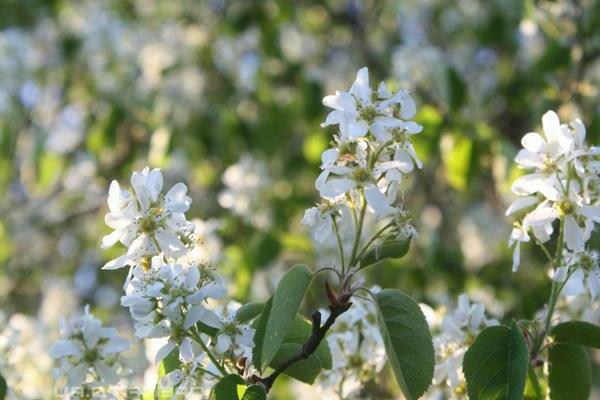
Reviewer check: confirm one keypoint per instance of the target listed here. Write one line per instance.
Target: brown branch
(338, 305)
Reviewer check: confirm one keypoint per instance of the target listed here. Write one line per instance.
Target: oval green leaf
(577, 332)
(570, 373)
(248, 312)
(496, 364)
(308, 369)
(389, 248)
(407, 341)
(233, 387)
(275, 321)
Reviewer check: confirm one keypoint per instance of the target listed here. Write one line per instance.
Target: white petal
(117, 263)
(574, 235)
(214, 290)
(357, 129)
(533, 142)
(575, 284)
(110, 239)
(115, 345)
(360, 88)
(516, 257)
(186, 351)
(138, 181)
(521, 204)
(106, 373)
(333, 118)
(579, 132)
(540, 216)
(592, 212)
(223, 343)
(377, 201)
(340, 101)
(551, 125)
(169, 243)
(164, 351)
(200, 314)
(593, 282)
(335, 187)
(76, 375)
(62, 348)
(154, 183)
(172, 378)
(176, 199)
(527, 159)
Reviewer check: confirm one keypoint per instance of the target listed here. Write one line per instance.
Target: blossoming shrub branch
(557, 209)
(239, 352)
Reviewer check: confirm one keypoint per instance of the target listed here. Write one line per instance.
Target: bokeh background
(91, 90)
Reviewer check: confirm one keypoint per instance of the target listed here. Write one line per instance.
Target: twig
(338, 305)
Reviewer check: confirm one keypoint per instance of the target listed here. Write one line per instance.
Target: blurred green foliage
(192, 86)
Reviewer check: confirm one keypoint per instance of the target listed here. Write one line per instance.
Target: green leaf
(171, 361)
(275, 321)
(260, 326)
(305, 370)
(496, 364)
(3, 388)
(230, 388)
(570, 376)
(389, 248)
(407, 341)
(248, 312)
(233, 387)
(254, 392)
(577, 332)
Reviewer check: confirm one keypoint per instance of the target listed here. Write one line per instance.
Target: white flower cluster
(147, 221)
(170, 283)
(247, 184)
(88, 353)
(373, 153)
(563, 184)
(357, 351)
(582, 269)
(453, 333)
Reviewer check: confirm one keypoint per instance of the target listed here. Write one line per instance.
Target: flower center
(361, 175)
(565, 207)
(90, 356)
(148, 224)
(368, 113)
(587, 261)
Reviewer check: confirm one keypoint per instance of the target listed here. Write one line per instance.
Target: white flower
(572, 209)
(86, 348)
(466, 318)
(247, 184)
(192, 371)
(518, 235)
(361, 110)
(321, 219)
(346, 171)
(149, 222)
(451, 339)
(169, 298)
(585, 275)
(239, 338)
(357, 350)
(562, 186)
